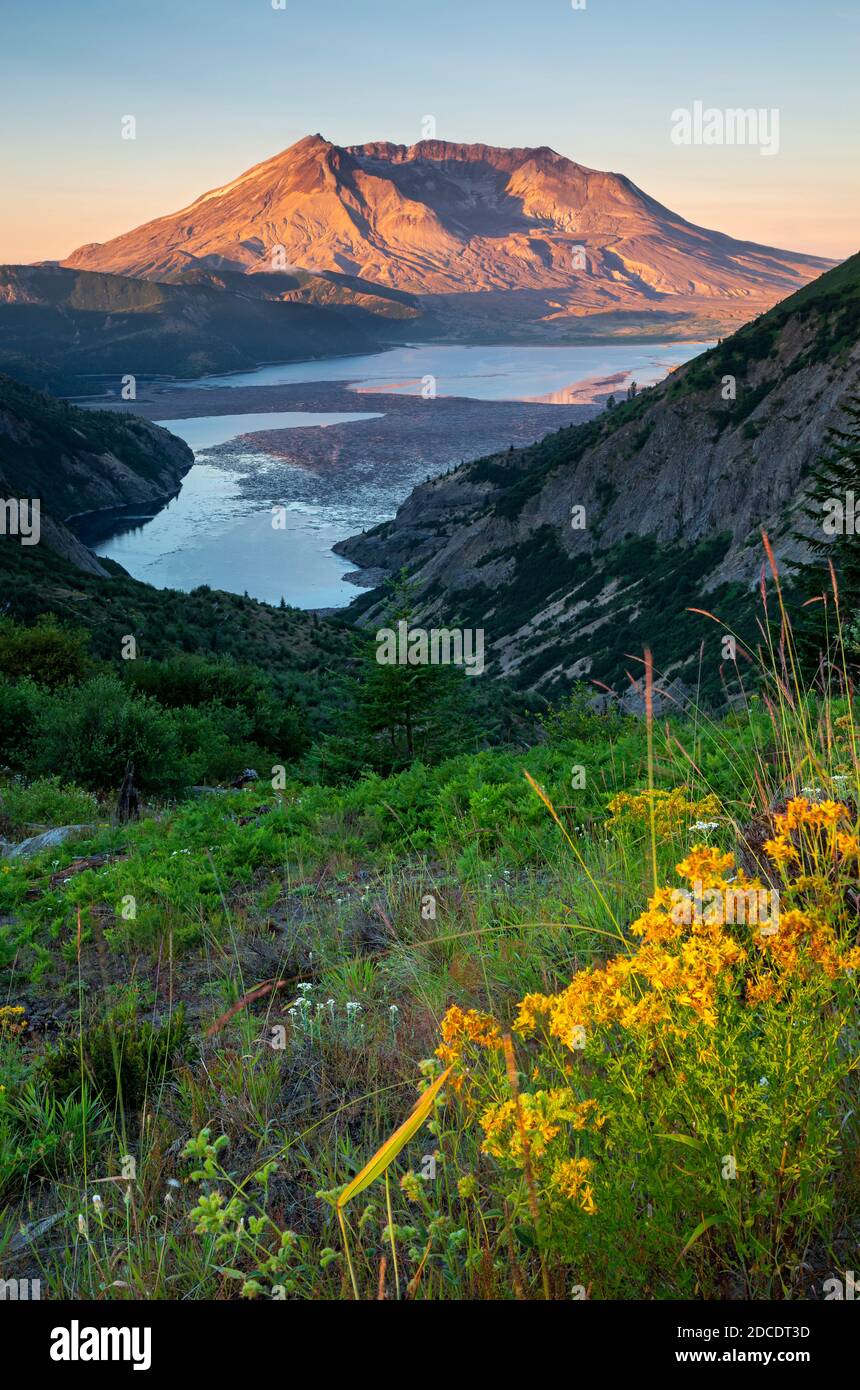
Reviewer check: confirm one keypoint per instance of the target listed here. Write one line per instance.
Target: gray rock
(667, 698)
(49, 840)
(28, 1234)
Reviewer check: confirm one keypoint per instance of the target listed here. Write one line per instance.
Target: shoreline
(344, 479)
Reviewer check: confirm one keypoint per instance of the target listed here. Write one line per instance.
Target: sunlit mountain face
(519, 237)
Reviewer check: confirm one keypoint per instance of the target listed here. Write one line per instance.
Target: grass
(217, 1022)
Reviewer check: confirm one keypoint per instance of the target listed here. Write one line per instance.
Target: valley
(339, 452)
(429, 645)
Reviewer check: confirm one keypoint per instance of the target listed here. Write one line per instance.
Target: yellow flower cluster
(818, 817)
(800, 812)
(705, 865)
(802, 939)
(723, 942)
(672, 809)
(12, 1020)
(463, 1026)
(681, 963)
(570, 1179)
(544, 1114)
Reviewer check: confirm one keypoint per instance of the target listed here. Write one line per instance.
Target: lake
(219, 529)
(501, 373)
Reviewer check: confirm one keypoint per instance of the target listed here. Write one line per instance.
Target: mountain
(75, 461)
(57, 324)
(676, 485)
(493, 241)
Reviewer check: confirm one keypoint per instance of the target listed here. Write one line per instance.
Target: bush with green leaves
(50, 654)
(89, 734)
(121, 1058)
(576, 718)
(20, 704)
(28, 806)
(195, 682)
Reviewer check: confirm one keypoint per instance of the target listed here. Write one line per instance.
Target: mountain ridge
(73, 461)
(550, 242)
(58, 323)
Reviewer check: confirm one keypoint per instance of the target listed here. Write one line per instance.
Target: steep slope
(75, 461)
(675, 485)
(543, 240)
(56, 323)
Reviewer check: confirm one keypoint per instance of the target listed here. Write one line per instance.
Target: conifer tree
(833, 511)
(405, 712)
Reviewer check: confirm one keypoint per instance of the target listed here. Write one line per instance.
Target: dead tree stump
(128, 803)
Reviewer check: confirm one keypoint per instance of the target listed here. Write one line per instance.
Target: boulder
(50, 839)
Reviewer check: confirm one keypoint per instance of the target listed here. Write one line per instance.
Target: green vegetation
(273, 678)
(832, 524)
(62, 326)
(34, 458)
(216, 1017)
(230, 1003)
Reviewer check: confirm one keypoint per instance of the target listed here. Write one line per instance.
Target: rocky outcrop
(573, 552)
(75, 462)
(49, 839)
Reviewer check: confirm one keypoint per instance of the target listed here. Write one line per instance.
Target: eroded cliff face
(675, 488)
(79, 461)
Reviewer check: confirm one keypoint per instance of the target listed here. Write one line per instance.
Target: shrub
(46, 802)
(193, 682)
(20, 704)
(576, 718)
(90, 733)
(684, 1099)
(215, 742)
(49, 654)
(124, 1059)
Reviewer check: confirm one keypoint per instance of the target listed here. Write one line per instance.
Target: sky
(216, 86)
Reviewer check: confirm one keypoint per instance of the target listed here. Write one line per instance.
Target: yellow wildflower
(570, 1180)
(706, 865)
(780, 850)
(461, 1027)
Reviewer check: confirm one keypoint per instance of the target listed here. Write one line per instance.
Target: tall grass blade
(386, 1154)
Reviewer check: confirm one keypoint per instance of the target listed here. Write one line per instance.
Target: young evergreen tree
(405, 712)
(833, 512)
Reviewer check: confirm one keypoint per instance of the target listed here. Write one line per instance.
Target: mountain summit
(509, 236)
